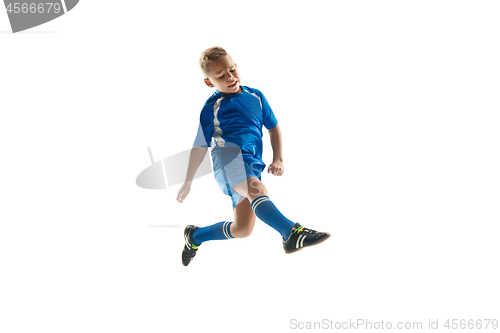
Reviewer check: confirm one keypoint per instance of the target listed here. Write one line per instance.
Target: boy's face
(224, 76)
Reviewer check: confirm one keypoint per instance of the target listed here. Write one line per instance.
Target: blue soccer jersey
(236, 119)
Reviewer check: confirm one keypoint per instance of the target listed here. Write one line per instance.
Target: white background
(390, 119)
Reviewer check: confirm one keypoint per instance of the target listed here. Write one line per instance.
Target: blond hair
(210, 55)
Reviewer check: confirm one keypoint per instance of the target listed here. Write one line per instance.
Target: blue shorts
(232, 168)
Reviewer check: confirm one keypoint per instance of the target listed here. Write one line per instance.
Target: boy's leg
(217, 231)
(263, 207)
(295, 236)
(244, 219)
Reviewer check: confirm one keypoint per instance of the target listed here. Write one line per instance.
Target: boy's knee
(256, 188)
(242, 232)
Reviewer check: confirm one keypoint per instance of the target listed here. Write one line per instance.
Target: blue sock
(267, 212)
(212, 232)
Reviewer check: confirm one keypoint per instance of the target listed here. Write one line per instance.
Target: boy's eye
(231, 70)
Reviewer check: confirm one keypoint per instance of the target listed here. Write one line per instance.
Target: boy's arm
(195, 158)
(276, 168)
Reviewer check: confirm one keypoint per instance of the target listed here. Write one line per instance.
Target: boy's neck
(239, 92)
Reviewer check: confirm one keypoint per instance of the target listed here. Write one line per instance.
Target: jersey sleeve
(205, 130)
(269, 119)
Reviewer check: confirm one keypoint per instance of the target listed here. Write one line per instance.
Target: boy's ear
(208, 83)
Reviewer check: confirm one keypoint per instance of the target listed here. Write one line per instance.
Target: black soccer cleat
(190, 249)
(302, 237)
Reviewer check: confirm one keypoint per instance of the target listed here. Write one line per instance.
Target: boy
(233, 116)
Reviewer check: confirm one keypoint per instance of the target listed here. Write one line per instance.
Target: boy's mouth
(233, 85)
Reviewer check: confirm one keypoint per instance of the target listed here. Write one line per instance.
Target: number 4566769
(33, 8)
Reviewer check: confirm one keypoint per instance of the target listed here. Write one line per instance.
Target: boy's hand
(276, 168)
(183, 192)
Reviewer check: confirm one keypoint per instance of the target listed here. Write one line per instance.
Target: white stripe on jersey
(217, 131)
